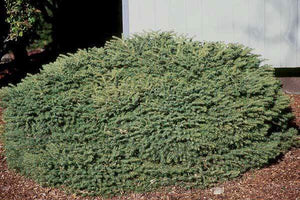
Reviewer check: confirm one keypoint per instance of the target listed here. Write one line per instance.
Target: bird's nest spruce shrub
(153, 110)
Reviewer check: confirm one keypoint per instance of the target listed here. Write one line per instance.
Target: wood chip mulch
(295, 105)
(280, 181)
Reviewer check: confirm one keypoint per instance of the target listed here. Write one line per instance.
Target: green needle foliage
(153, 110)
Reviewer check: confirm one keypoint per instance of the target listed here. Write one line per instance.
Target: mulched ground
(280, 181)
(295, 105)
(290, 85)
(11, 73)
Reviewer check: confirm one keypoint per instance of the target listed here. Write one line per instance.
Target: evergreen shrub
(153, 110)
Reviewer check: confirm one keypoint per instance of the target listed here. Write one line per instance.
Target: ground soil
(279, 181)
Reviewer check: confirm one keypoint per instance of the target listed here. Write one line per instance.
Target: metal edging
(125, 15)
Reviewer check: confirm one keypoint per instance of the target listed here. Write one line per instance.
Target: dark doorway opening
(82, 24)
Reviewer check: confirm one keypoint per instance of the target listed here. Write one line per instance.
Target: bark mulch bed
(295, 105)
(279, 181)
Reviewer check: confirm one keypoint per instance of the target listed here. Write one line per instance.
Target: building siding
(270, 27)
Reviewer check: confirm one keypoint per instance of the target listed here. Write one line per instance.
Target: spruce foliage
(152, 110)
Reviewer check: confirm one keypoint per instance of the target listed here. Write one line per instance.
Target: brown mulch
(280, 181)
(290, 85)
(295, 105)
(12, 73)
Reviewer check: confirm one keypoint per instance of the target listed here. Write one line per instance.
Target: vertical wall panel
(125, 16)
(240, 21)
(177, 17)
(217, 22)
(163, 15)
(289, 32)
(256, 26)
(142, 15)
(133, 16)
(270, 27)
(298, 34)
(273, 32)
(210, 22)
(194, 18)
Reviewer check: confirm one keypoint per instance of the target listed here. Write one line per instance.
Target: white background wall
(271, 27)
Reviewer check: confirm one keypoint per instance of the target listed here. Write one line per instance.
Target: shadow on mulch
(11, 73)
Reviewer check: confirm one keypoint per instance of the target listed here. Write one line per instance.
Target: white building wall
(271, 27)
